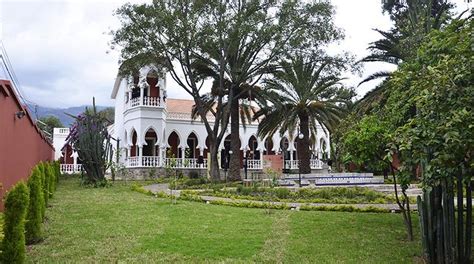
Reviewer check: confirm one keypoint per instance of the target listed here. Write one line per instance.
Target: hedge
(16, 205)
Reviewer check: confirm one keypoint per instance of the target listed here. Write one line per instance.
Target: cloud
(58, 48)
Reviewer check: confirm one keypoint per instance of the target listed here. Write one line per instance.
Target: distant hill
(42, 111)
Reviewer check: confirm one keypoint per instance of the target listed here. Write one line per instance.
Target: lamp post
(300, 137)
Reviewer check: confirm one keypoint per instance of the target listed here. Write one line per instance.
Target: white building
(156, 131)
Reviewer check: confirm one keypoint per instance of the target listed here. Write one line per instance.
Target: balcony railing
(185, 163)
(294, 164)
(254, 164)
(71, 168)
(154, 161)
(147, 101)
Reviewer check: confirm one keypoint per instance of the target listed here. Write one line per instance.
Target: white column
(142, 88)
(183, 153)
(140, 154)
(201, 151)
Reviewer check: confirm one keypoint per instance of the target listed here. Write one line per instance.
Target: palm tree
(302, 94)
(239, 113)
(413, 21)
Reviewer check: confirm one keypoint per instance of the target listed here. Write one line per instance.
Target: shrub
(34, 216)
(52, 178)
(44, 184)
(16, 205)
(57, 168)
(282, 193)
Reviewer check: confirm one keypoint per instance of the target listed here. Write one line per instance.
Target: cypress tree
(16, 205)
(52, 178)
(35, 209)
(46, 181)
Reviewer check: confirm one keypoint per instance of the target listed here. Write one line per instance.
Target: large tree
(238, 40)
(413, 21)
(304, 93)
(48, 123)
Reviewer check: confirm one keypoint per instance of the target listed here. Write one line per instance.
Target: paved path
(155, 188)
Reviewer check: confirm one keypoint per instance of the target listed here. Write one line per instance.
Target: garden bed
(332, 195)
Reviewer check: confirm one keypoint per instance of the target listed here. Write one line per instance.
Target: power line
(16, 84)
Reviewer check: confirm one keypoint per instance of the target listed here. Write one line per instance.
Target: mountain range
(38, 111)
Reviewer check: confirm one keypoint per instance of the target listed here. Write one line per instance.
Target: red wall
(22, 145)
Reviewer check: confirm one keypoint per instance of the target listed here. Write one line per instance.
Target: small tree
(34, 216)
(91, 140)
(46, 181)
(367, 143)
(16, 205)
(52, 178)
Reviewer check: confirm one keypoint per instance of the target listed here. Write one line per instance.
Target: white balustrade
(254, 164)
(316, 164)
(188, 163)
(187, 116)
(71, 168)
(151, 101)
(154, 161)
(294, 164)
(150, 161)
(147, 101)
(133, 162)
(64, 131)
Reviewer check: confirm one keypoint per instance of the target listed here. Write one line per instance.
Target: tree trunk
(234, 163)
(303, 145)
(468, 253)
(405, 211)
(460, 219)
(214, 170)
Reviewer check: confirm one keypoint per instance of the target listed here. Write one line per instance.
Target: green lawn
(117, 224)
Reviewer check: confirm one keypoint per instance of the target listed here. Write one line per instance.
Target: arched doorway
(133, 148)
(152, 80)
(284, 146)
(268, 147)
(150, 149)
(225, 156)
(192, 142)
(253, 153)
(173, 142)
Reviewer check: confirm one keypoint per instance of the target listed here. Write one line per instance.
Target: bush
(282, 193)
(52, 178)
(16, 205)
(45, 184)
(57, 169)
(34, 216)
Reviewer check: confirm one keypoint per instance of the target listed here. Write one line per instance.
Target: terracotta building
(22, 144)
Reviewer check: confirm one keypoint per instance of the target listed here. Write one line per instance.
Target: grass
(117, 224)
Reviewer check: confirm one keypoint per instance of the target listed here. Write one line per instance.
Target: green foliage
(303, 94)
(431, 103)
(16, 206)
(50, 122)
(222, 41)
(52, 178)
(46, 180)
(366, 143)
(339, 195)
(91, 140)
(34, 216)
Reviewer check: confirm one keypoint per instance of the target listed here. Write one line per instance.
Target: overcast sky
(59, 49)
